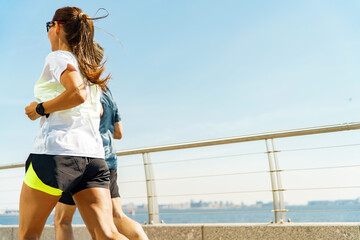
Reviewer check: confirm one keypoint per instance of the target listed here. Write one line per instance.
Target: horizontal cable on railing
(134, 181)
(319, 168)
(326, 210)
(217, 193)
(317, 148)
(11, 190)
(318, 188)
(207, 158)
(246, 211)
(10, 203)
(131, 197)
(213, 175)
(197, 194)
(138, 214)
(130, 165)
(192, 177)
(192, 159)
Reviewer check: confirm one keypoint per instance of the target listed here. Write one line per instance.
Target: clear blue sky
(196, 70)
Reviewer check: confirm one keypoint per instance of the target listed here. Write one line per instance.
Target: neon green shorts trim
(32, 180)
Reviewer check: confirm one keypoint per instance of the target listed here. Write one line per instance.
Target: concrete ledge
(263, 231)
(10, 232)
(174, 231)
(287, 231)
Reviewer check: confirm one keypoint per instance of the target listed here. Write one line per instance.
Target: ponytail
(79, 33)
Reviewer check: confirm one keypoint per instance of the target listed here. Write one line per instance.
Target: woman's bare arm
(74, 95)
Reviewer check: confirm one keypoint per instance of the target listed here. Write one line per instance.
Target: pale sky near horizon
(195, 70)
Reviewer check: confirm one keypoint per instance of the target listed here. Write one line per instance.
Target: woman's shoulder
(60, 55)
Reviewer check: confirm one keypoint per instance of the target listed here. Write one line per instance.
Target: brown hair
(99, 52)
(79, 34)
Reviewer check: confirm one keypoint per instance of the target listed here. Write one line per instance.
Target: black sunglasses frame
(51, 23)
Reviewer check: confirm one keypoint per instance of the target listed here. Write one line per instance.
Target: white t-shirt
(72, 132)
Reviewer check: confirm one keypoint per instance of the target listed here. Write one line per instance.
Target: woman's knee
(119, 215)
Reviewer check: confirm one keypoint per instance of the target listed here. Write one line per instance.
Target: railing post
(273, 184)
(153, 207)
(279, 183)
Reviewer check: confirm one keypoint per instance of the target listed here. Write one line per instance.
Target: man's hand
(30, 111)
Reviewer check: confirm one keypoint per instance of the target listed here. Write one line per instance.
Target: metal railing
(274, 169)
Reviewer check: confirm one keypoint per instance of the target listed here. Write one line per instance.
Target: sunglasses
(51, 23)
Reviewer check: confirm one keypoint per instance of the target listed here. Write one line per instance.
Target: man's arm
(118, 130)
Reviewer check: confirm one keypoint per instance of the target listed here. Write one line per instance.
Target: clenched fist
(30, 111)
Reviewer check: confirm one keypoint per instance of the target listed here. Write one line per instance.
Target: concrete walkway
(261, 231)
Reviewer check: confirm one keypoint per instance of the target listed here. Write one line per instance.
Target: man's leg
(125, 225)
(62, 219)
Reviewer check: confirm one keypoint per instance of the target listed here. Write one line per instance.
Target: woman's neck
(64, 47)
(61, 44)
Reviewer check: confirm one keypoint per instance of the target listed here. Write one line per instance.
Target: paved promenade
(259, 231)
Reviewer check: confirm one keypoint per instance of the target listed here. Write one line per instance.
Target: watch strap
(40, 110)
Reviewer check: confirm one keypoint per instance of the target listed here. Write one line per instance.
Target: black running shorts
(66, 197)
(55, 174)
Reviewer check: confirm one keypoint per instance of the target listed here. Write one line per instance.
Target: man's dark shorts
(66, 197)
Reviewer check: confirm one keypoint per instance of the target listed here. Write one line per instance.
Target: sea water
(236, 215)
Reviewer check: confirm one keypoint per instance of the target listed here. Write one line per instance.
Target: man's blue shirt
(110, 116)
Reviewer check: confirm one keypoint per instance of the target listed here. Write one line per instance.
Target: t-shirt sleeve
(58, 64)
(116, 114)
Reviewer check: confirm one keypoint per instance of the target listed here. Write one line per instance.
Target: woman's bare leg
(94, 205)
(125, 225)
(35, 207)
(62, 219)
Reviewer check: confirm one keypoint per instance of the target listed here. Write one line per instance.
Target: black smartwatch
(40, 110)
